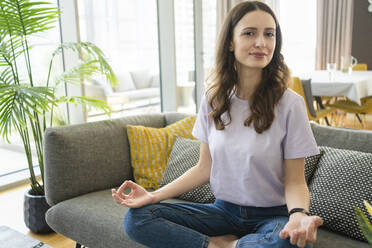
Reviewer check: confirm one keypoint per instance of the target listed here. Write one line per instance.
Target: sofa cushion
(93, 220)
(150, 149)
(155, 81)
(311, 163)
(328, 239)
(141, 78)
(84, 217)
(185, 155)
(125, 82)
(341, 182)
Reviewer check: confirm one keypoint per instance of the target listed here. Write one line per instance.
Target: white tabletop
(356, 85)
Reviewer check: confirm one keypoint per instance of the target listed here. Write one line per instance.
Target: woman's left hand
(301, 229)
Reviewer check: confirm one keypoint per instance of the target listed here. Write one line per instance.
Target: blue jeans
(189, 225)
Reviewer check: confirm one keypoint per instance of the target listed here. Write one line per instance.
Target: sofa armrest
(88, 157)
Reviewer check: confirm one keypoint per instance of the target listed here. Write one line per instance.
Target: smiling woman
(258, 143)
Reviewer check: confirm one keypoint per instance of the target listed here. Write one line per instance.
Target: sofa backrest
(89, 157)
(92, 156)
(95, 156)
(343, 138)
(172, 117)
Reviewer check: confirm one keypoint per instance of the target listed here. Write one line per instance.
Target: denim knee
(133, 220)
(263, 243)
(128, 219)
(283, 243)
(267, 236)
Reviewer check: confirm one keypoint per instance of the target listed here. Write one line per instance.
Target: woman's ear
(231, 47)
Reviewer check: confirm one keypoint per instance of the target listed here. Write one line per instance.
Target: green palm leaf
(90, 52)
(10, 49)
(19, 99)
(88, 102)
(23, 18)
(6, 76)
(82, 71)
(364, 224)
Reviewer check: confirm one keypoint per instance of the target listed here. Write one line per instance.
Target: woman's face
(254, 40)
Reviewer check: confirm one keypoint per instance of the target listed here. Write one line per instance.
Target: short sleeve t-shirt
(248, 167)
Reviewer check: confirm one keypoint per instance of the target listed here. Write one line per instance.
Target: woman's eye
(249, 33)
(270, 34)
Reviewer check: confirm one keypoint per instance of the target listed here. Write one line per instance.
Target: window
(209, 33)
(126, 31)
(185, 54)
(298, 23)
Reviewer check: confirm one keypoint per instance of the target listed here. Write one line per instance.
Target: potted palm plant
(27, 106)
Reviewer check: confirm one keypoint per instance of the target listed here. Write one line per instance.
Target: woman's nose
(260, 41)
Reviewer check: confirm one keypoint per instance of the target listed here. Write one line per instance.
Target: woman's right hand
(137, 197)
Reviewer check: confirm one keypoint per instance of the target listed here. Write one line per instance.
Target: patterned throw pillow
(341, 182)
(311, 163)
(150, 149)
(185, 155)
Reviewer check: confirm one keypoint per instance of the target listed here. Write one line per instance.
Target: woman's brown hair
(225, 78)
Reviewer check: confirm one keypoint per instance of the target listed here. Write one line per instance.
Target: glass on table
(331, 68)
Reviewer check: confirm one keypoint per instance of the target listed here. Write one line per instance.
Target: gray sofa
(83, 162)
(135, 88)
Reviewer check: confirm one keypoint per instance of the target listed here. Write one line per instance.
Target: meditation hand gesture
(301, 229)
(137, 197)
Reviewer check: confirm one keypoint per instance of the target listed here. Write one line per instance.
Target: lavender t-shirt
(248, 167)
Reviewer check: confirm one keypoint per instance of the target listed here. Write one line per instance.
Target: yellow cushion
(150, 148)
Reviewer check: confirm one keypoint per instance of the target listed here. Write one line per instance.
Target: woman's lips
(258, 55)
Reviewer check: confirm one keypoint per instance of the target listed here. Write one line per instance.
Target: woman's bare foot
(225, 241)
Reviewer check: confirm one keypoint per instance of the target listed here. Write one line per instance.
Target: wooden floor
(11, 203)
(351, 121)
(11, 215)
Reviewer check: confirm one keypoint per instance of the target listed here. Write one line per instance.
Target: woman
(254, 135)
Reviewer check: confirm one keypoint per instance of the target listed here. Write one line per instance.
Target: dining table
(354, 85)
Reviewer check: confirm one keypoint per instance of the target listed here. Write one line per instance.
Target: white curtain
(334, 31)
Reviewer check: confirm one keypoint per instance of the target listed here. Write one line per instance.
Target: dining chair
(349, 106)
(303, 88)
(360, 67)
(347, 103)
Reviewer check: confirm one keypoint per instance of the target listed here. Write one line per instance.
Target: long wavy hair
(225, 78)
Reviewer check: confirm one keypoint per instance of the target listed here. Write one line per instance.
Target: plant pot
(34, 209)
